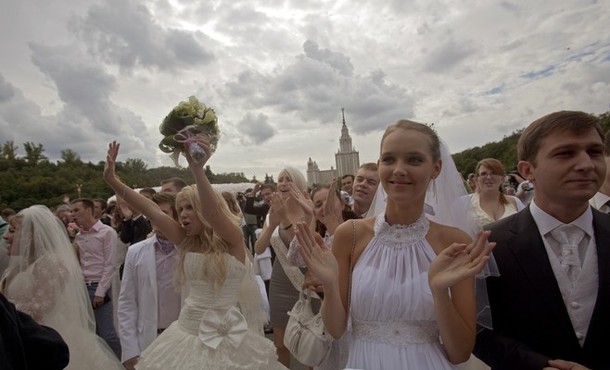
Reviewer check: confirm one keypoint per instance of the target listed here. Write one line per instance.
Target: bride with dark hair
(44, 280)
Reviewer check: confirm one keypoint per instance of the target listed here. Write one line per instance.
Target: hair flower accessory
(183, 123)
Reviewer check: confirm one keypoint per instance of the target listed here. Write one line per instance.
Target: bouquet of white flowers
(183, 123)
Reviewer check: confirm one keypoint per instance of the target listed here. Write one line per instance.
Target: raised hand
(110, 165)
(256, 189)
(203, 140)
(459, 262)
(277, 211)
(333, 215)
(302, 199)
(320, 261)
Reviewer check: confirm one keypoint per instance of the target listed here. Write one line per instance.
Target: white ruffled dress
(211, 332)
(392, 311)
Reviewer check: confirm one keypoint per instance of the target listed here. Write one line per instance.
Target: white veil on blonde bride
(44, 279)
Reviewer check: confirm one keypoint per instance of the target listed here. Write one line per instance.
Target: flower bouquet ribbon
(183, 123)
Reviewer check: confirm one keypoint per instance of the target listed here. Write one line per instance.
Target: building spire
(343, 114)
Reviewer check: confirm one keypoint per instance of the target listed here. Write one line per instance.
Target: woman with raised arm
(44, 280)
(330, 210)
(211, 331)
(411, 299)
(289, 205)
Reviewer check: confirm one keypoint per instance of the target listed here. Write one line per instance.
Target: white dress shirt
(599, 201)
(579, 298)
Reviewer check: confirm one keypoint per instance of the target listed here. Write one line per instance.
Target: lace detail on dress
(399, 236)
(38, 296)
(396, 333)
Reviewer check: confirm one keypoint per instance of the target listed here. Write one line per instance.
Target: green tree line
(504, 150)
(33, 179)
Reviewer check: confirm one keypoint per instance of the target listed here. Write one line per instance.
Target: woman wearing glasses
(489, 203)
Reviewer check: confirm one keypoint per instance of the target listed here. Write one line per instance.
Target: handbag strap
(293, 273)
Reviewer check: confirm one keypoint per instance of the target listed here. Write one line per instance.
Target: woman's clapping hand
(459, 262)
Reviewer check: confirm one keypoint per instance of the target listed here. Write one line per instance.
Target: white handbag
(305, 335)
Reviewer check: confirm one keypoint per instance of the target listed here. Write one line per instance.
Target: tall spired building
(347, 160)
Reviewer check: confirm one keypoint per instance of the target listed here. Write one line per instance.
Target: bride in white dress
(412, 301)
(220, 324)
(44, 280)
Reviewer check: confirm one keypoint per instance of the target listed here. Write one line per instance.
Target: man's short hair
(168, 198)
(572, 121)
(102, 202)
(267, 186)
(87, 203)
(348, 175)
(177, 181)
(371, 166)
(63, 208)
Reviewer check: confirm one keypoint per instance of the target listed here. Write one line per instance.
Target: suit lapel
(600, 323)
(531, 256)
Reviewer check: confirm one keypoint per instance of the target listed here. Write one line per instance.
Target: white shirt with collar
(599, 202)
(580, 299)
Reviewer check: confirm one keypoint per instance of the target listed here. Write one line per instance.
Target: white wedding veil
(440, 196)
(42, 251)
(44, 279)
(443, 194)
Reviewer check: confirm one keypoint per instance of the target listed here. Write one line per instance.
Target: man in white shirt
(550, 305)
(601, 200)
(148, 301)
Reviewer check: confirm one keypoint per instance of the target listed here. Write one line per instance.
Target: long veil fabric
(444, 204)
(44, 279)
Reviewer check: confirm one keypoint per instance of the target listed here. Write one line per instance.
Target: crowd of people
(415, 266)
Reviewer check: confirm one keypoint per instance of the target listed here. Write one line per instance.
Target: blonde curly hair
(207, 242)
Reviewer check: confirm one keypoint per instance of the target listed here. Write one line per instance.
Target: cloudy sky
(79, 73)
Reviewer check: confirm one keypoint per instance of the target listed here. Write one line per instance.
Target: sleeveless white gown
(211, 332)
(392, 312)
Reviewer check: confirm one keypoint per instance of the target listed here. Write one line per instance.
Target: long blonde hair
(207, 242)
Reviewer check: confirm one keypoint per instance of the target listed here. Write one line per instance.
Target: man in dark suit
(24, 344)
(551, 303)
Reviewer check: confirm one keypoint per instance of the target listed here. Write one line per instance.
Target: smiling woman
(488, 203)
(411, 278)
(289, 205)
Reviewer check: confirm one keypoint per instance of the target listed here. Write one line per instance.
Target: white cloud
(81, 73)
(124, 32)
